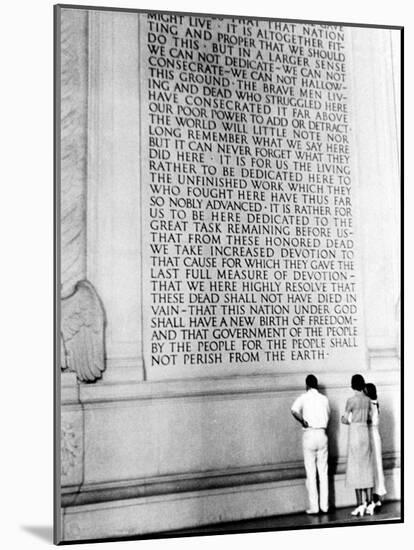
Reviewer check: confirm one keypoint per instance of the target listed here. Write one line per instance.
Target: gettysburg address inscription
(249, 249)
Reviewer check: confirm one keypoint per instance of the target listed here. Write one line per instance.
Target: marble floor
(390, 511)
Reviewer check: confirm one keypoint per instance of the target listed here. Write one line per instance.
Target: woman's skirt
(379, 485)
(359, 468)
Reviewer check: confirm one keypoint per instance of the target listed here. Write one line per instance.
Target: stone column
(113, 203)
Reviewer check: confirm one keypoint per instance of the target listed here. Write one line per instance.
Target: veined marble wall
(151, 449)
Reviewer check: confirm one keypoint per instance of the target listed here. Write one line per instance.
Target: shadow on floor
(42, 532)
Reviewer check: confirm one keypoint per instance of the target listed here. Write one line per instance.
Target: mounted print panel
(228, 224)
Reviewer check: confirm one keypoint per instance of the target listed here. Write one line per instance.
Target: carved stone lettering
(250, 252)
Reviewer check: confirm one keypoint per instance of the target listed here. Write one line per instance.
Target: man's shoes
(312, 512)
(324, 511)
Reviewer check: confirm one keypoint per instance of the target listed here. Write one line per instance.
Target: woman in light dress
(359, 467)
(379, 486)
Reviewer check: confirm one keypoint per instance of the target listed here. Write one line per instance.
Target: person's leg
(361, 506)
(376, 499)
(309, 457)
(322, 466)
(371, 503)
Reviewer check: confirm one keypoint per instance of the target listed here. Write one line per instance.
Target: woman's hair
(357, 382)
(371, 391)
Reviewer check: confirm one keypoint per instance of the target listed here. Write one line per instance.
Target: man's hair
(312, 381)
(357, 382)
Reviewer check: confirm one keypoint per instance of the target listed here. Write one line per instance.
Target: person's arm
(374, 415)
(296, 411)
(299, 418)
(345, 417)
(370, 419)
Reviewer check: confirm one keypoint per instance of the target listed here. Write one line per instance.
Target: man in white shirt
(311, 409)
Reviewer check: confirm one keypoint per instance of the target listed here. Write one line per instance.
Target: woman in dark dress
(359, 467)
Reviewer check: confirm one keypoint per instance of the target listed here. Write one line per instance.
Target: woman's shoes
(359, 510)
(370, 509)
(363, 509)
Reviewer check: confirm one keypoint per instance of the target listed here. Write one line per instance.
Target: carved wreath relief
(70, 449)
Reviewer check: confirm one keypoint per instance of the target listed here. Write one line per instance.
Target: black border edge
(402, 349)
(57, 527)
